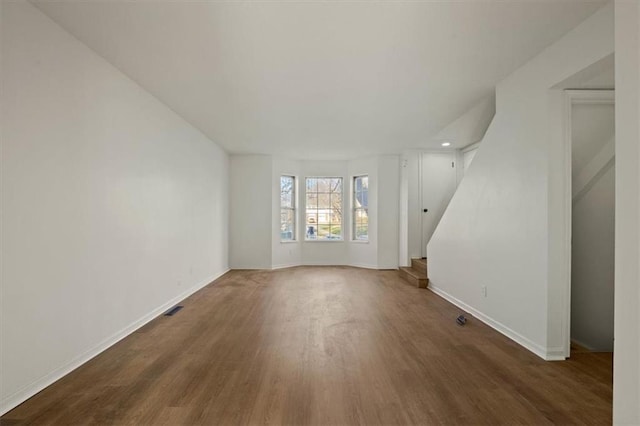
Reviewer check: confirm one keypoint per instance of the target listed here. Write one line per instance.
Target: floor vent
(172, 311)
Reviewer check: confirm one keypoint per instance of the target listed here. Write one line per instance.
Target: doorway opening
(591, 138)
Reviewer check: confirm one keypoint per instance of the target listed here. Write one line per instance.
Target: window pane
(362, 233)
(324, 185)
(311, 231)
(336, 205)
(364, 196)
(287, 208)
(360, 208)
(286, 191)
(324, 201)
(287, 224)
(361, 215)
(312, 185)
(324, 216)
(312, 217)
(286, 200)
(323, 231)
(364, 199)
(361, 191)
(312, 200)
(337, 218)
(336, 185)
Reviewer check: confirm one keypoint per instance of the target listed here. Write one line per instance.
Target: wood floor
(322, 345)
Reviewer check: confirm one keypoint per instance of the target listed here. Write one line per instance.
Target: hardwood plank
(322, 345)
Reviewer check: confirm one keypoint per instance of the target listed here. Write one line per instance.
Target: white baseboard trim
(249, 268)
(354, 265)
(541, 351)
(323, 264)
(555, 354)
(17, 398)
(388, 267)
(286, 265)
(363, 266)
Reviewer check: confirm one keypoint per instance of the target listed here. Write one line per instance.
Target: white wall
(114, 208)
(250, 222)
(498, 222)
(626, 352)
(471, 126)
(388, 211)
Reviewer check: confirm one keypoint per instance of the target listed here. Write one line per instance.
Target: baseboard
(17, 398)
(395, 267)
(363, 265)
(355, 265)
(555, 354)
(249, 268)
(352, 265)
(541, 351)
(286, 265)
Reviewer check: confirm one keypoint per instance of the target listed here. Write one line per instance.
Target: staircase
(417, 273)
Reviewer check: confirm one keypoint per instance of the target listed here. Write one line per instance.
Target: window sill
(359, 241)
(288, 241)
(324, 241)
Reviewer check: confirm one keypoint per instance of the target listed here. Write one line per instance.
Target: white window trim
(353, 210)
(294, 197)
(304, 211)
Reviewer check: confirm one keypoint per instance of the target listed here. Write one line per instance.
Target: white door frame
(571, 98)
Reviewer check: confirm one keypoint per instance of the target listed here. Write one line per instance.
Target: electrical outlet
(484, 291)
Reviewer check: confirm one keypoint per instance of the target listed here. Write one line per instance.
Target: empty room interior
(320, 212)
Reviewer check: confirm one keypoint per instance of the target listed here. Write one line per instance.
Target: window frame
(292, 209)
(355, 209)
(342, 210)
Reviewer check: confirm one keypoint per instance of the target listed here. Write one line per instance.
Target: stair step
(419, 265)
(416, 277)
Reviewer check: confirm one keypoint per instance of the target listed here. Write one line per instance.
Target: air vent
(172, 311)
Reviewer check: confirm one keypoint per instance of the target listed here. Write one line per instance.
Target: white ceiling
(319, 79)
